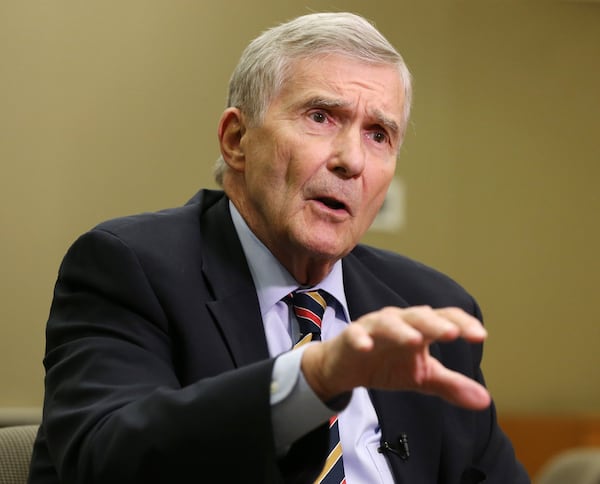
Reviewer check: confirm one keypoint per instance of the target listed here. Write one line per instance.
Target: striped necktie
(309, 308)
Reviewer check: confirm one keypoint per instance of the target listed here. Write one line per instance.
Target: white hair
(265, 64)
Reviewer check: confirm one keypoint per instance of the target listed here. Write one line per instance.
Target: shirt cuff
(295, 408)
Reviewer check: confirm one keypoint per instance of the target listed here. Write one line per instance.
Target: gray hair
(268, 59)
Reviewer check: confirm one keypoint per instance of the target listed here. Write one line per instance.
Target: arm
(389, 350)
(115, 410)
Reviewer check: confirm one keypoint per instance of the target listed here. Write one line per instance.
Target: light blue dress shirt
(296, 410)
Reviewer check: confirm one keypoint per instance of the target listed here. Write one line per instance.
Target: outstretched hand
(389, 349)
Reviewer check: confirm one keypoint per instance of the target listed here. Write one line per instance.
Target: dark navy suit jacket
(157, 366)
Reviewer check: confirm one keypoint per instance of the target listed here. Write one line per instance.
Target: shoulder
(170, 222)
(169, 235)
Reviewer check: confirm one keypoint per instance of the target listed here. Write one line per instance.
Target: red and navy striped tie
(309, 307)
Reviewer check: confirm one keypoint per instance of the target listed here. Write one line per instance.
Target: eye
(318, 117)
(379, 136)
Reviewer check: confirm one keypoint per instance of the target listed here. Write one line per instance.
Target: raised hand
(389, 349)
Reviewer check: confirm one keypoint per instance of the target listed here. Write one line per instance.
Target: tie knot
(309, 307)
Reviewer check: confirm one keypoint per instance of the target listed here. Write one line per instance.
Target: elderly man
(176, 340)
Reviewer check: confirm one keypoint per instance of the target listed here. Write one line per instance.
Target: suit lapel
(235, 307)
(365, 292)
(410, 424)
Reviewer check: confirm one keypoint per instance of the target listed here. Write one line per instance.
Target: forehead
(345, 81)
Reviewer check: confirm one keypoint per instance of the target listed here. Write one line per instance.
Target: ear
(231, 130)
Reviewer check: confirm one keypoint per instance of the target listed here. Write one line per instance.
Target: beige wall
(109, 108)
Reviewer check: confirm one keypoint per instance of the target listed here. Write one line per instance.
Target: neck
(307, 272)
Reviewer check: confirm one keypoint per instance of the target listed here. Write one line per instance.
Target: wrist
(312, 367)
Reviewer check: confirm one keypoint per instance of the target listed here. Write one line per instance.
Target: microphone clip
(400, 449)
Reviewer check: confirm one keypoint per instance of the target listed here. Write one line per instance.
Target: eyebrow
(322, 102)
(332, 103)
(385, 121)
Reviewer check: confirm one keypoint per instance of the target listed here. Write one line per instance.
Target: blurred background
(109, 108)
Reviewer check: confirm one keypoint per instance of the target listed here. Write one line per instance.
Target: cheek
(375, 190)
(379, 182)
(263, 169)
(275, 180)
(296, 167)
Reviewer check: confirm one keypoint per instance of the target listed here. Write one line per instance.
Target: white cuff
(295, 408)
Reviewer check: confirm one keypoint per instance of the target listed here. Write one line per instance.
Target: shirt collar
(273, 282)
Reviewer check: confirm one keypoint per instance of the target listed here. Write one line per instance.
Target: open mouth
(332, 203)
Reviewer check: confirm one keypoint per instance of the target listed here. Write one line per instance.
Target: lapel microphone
(400, 449)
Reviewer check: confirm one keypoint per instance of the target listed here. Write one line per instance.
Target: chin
(330, 248)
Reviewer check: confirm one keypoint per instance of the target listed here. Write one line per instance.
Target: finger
(358, 338)
(456, 388)
(388, 325)
(470, 327)
(430, 323)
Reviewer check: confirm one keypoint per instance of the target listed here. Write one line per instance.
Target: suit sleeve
(114, 409)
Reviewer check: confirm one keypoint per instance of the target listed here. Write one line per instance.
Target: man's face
(317, 169)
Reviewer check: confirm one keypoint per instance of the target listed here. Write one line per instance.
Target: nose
(348, 159)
